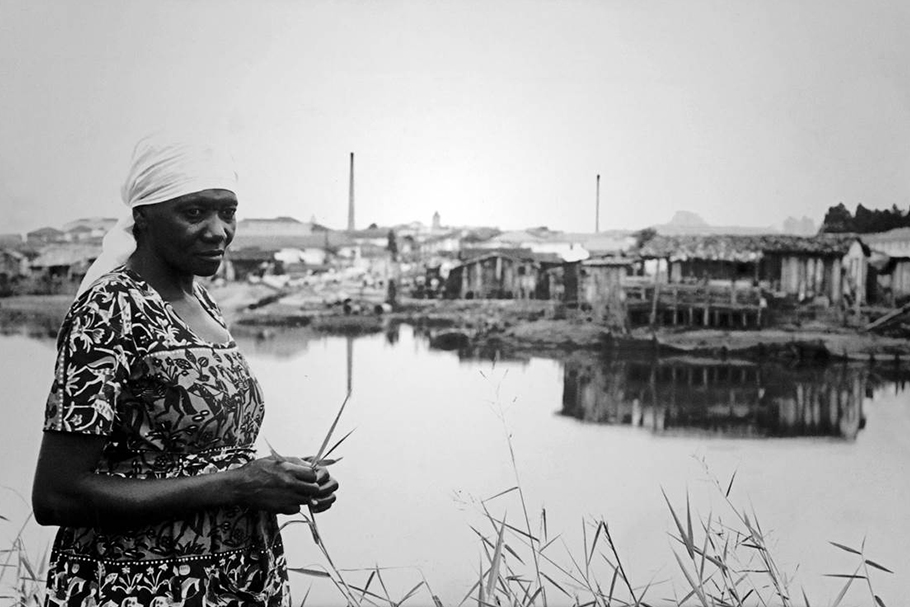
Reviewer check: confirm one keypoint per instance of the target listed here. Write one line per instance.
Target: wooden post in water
(675, 304)
(656, 296)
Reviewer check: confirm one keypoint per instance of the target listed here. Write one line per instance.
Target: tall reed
(725, 562)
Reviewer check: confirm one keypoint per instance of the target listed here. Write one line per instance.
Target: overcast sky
(494, 112)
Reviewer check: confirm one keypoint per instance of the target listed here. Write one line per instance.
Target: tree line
(839, 219)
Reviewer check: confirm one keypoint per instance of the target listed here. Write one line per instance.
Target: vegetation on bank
(724, 560)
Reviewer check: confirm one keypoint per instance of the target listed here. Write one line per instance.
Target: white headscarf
(164, 167)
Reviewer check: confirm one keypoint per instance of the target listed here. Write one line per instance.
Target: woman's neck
(171, 286)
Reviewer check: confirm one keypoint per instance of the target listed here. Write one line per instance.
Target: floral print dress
(169, 405)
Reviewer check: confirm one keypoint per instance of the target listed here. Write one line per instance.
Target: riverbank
(504, 325)
(535, 326)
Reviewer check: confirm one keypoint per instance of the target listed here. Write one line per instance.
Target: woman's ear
(140, 223)
(139, 218)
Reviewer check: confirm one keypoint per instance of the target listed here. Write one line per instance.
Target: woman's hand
(68, 491)
(283, 484)
(327, 487)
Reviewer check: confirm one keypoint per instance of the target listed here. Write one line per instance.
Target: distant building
(251, 254)
(441, 244)
(569, 246)
(45, 235)
(60, 267)
(376, 236)
(278, 227)
(602, 244)
(14, 241)
(91, 228)
(514, 239)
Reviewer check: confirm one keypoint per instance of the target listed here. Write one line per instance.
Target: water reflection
(277, 342)
(667, 396)
(673, 396)
(31, 324)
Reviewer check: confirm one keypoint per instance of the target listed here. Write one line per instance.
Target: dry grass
(22, 575)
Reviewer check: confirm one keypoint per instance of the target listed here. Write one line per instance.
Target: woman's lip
(211, 254)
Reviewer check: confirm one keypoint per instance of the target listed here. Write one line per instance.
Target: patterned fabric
(170, 404)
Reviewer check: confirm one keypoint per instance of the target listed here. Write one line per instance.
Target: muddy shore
(535, 327)
(527, 327)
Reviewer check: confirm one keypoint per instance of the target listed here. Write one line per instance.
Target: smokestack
(351, 195)
(597, 209)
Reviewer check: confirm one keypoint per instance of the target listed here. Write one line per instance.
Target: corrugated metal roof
(897, 234)
(278, 242)
(520, 255)
(607, 262)
(743, 248)
(65, 255)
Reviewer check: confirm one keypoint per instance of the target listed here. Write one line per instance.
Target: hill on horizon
(687, 222)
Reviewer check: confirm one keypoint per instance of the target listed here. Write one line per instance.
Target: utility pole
(597, 207)
(351, 196)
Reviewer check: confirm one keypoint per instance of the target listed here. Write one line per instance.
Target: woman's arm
(67, 491)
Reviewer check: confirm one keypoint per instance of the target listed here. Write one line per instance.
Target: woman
(147, 459)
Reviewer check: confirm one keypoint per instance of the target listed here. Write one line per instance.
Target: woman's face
(189, 234)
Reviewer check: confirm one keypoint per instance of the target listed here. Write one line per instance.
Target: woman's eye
(193, 213)
(228, 214)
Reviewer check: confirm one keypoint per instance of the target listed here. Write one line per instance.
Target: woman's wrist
(231, 490)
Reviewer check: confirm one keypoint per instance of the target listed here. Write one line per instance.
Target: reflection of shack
(592, 288)
(500, 275)
(60, 267)
(736, 399)
(723, 281)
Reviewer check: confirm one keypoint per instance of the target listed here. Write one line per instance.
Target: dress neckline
(197, 293)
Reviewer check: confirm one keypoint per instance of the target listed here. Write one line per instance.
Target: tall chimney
(597, 209)
(351, 195)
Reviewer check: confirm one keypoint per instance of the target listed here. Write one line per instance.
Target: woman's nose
(216, 229)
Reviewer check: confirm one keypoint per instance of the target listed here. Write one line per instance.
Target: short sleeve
(94, 356)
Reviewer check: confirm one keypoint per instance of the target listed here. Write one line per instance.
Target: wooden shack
(13, 266)
(60, 267)
(513, 274)
(821, 268)
(241, 264)
(824, 269)
(593, 288)
(892, 279)
(711, 281)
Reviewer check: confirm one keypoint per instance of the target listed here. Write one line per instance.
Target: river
(819, 455)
